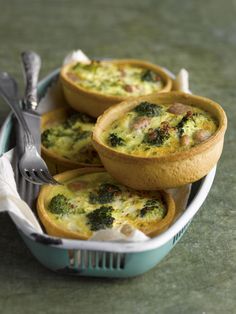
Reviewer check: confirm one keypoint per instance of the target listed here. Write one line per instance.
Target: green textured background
(198, 276)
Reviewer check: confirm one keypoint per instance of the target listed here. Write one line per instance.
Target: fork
(32, 167)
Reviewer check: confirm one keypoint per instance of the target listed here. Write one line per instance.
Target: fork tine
(44, 178)
(25, 174)
(38, 174)
(49, 178)
(31, 176)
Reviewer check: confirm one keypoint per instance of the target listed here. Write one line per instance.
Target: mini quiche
(95, 86)
(66, 140)
(91, 200)
(160, 141)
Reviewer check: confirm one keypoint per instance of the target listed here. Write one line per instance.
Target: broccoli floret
(100, 218)
(147, 109)
(48, 138)
(105, 194)
(149, 76)
(152, 209)
(60, 205)
(156, 137)
(115, 140)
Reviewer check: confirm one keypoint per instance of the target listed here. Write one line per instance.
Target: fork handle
(31, 64)
(9, 92)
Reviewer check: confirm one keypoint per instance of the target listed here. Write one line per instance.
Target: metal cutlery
(31, 165)
(31, 66)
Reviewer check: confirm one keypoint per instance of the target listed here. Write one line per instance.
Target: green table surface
(198, 276)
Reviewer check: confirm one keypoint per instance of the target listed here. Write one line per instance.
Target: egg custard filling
(96, 201)
(158, 129)
(114, 79)
(71, 139)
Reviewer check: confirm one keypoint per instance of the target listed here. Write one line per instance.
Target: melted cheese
(117, 80)
(72, 140)
(133, 129)
(126, 205)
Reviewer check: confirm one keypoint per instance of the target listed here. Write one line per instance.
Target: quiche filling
(114, 79)
(71, 139)
(96, 201)
(158, 129)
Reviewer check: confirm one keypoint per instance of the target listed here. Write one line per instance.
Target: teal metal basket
(105, 259)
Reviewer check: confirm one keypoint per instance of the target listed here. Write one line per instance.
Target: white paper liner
(20, 212)
(10, 200)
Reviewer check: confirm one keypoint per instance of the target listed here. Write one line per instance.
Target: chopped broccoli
(115, 140)
(76, 66)
(80, 135)
(156, 137)
(183, 121)
(152, 202)
(198, 114)
(93, 198)
(60, 205)
(48, 138)
(152, 209)
(83, 117)
(149, 76)
(147, 109)
(92, 66)
(105, 194)
(78, 116)
(144, 211)
(100, 218)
